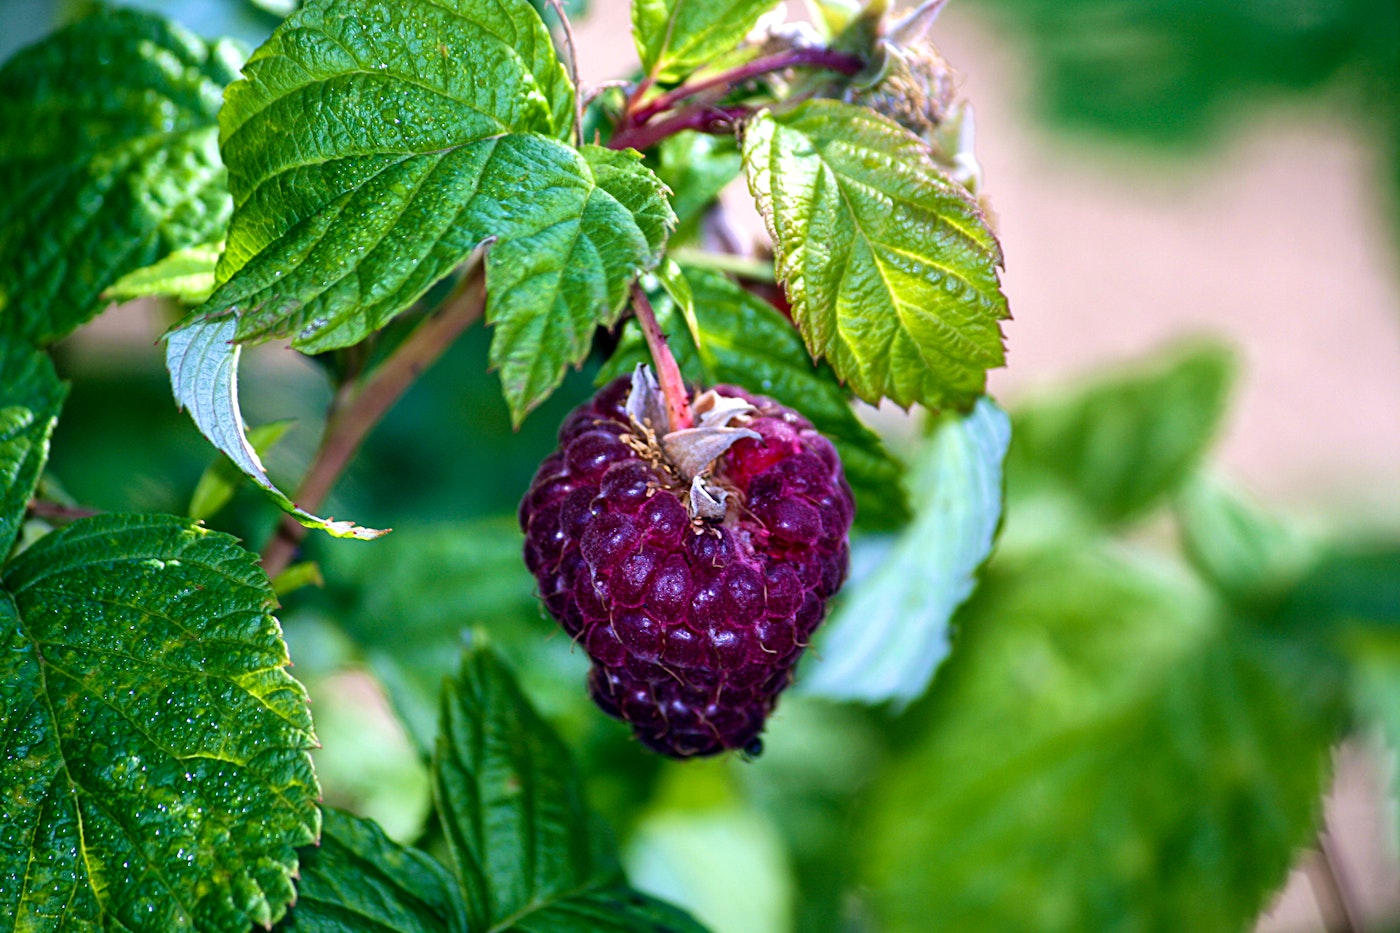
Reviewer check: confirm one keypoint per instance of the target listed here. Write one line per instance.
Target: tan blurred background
(1275, 239)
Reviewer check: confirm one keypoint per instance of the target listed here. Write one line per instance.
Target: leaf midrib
(320, 211)
(942, 186)
(43, 664)
(507, 46)
(958, 349)
(505, 924)
(287, 168)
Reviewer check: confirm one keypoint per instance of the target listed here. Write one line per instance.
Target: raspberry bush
(361, 190)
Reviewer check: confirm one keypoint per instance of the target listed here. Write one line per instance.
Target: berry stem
(667, 372)
(358, 407)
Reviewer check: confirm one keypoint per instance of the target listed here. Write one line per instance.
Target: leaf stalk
(58, 512)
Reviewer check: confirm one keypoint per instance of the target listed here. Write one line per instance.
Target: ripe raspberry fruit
(692, 565)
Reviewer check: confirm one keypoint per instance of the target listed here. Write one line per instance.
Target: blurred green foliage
(1127, 729)
(1124, 723)
(1168, 69)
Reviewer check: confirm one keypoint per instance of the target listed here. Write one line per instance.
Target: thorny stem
(356, 409)
(667, 372)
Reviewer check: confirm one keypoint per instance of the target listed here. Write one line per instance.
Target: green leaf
(1249, 556)
(549, 290)
(30, 399)
(352, 79)
(675, 37)
(203, 362)
(746, 341)
(1348, 601)
(1172, 73)
(156, 774)
(1356, 586)
(295, 577)
(186, 274)
(512, 809)
(373, 149)
(511, 803)
(407, 601)
(281, 8)
(1375, 691)
(116, 165)
(1122, 442)
(1103, 751)
(358, 879)
(890, 631)
(671, 277)
(220, 481)
(890, 266)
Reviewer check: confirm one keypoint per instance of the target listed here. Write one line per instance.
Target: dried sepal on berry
(691, 565)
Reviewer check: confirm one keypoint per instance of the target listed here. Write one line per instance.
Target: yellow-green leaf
(674, 37)
(890, 266)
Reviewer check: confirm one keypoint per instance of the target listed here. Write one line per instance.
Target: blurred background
(1158, 169)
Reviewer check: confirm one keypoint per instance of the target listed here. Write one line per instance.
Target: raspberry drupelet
(692, 566)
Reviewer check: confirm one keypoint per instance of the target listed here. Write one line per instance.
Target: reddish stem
(558, 7)
(635, 97)
(703, 119)
(794, 58)
(357, 408)
(56, 512)
(667, 372)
